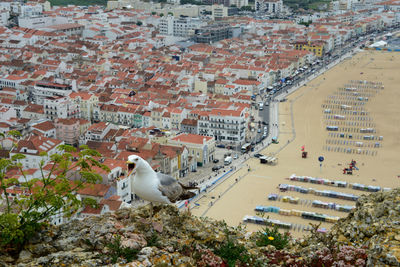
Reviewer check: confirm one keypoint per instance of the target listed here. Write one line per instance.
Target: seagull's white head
(136, 164)
(133, 162)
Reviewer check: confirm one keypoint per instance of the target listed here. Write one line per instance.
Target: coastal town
(192, 89)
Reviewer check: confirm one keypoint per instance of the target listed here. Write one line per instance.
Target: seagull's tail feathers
(186, 195)
(190, 187)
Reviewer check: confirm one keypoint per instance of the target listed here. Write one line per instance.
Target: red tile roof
(192, 138)
(95, 190)
(44, 126)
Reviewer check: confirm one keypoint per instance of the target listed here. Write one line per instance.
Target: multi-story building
(156, 117)
(33, 111)
(239, 3)
(213, 33)
(202, 148)
(68, 130)
(217, 2)
(228, 126)
(60, 107)
(86, 102)
(96, 132)
(220, 11)
(180, 27)
(189, 126)
(316, 47)
(42, 90)
(121, 115)
(12, 81)
(269, 6)
(32, 149)
(46, 128)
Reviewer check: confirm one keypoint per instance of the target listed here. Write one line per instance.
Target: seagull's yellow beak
(131, 167)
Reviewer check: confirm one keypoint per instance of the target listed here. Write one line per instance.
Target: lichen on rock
(369, 236)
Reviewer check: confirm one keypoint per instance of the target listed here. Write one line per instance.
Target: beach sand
(233, 200)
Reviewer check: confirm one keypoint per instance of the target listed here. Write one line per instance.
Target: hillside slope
(369, 236)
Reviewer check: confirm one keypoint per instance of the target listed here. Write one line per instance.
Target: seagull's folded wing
(170, 188)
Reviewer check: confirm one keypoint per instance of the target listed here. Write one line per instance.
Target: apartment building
(228, 126)
(202, 148)
(269, 6)
(179, 26)
(32, 147)
(60, 107)
(42, 90)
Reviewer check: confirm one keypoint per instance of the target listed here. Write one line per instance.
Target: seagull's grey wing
(169, 187)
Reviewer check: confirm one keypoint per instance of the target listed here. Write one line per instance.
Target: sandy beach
(238, 195)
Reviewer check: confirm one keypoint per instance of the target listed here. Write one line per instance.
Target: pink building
(68, 130)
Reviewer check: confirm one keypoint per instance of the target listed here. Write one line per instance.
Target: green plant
(42, 197)
(153, 240)
(272, 236)
(117, 251)
(233, 253)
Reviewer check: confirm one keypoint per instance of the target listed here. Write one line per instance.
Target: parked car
(257, 155)
(216, 168)
(216, 160)
(221, 146)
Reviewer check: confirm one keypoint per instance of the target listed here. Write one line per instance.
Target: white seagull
(153, 186)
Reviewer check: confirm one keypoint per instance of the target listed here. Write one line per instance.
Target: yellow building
(86, 103)
(202, 148)
(316, 47)
(156, 117)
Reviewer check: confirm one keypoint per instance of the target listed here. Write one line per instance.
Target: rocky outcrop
(372, 228)
(369, 236)
(375, 225)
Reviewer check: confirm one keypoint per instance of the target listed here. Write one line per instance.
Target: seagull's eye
(136, 159)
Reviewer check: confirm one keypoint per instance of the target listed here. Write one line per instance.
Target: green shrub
(272, 236)
(233, 253)
(49, 194)
(116, 251)
(153, 240)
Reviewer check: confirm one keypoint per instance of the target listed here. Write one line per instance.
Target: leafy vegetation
(117, 251)
(53, 193)
(153, 240)
(305, 23)
(78, 2)
(233, 253)
(193, 2)
(307, 4)
(272, 236)
(247, 8)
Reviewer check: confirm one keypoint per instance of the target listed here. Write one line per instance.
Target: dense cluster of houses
(86, 75)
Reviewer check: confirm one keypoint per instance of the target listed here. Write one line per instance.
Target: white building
(97, 132)
(31, 10)
(4, 16)
(181, 27)
(42, 90)
(36, 22)
(60, 107)
(32, 147)
(124, 189)
(12, 81)
(227, 126)
(269, 6)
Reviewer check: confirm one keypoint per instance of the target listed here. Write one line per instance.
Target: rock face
(369, 236)
(375, 225)
(373, 229)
